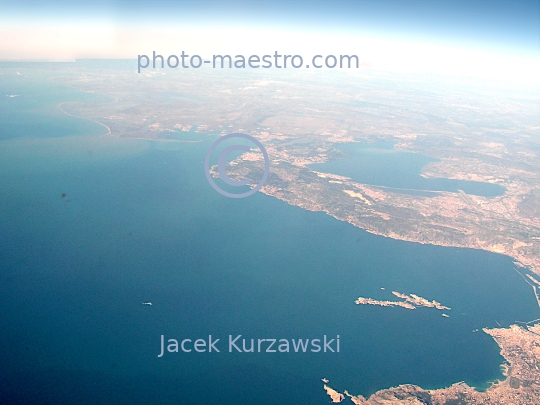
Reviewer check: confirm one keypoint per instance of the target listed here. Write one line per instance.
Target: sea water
(91, 226)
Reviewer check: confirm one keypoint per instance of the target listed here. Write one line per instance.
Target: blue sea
(91, 226)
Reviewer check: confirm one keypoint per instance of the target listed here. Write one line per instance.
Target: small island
(411, 301)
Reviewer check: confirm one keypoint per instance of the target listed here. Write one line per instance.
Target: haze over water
(139, 222)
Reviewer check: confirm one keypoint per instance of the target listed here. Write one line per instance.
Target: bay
(92, 226)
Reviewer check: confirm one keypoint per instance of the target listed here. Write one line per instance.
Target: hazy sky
(436, 35)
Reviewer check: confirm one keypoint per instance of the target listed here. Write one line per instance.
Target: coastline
(518, 259)
(519, 385)
(87, 119)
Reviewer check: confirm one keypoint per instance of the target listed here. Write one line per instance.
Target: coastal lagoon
(379, 164)
(92, 226)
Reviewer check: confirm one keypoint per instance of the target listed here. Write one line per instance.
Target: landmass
(411, 302)
(520, 346)
(473, 138)
(371, 301)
